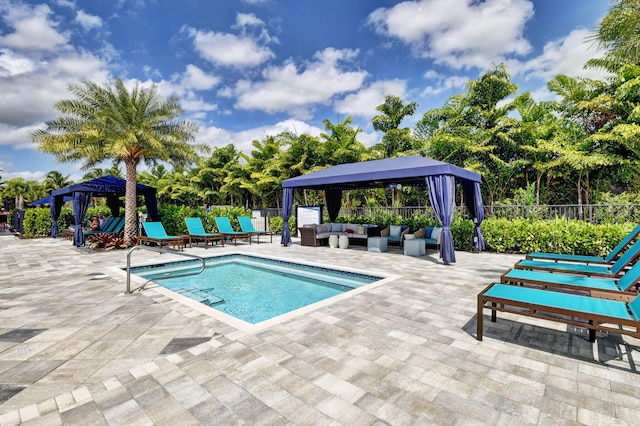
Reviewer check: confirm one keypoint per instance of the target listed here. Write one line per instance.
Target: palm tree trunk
(130, 207)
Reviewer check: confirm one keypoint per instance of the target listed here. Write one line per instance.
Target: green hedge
(37, 222)
(556, 236)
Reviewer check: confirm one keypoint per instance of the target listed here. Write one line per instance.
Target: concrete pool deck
(74, 349)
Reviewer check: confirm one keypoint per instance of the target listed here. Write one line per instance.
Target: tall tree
(473, 131)
(114, 123)
(619, 34)
(340, 144)
(395, 139)
(55, 180)
(21, 190)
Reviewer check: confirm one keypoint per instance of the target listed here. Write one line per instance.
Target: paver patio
(74, 349)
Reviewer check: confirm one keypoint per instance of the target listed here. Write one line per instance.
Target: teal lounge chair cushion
(562, 279)
(565, 301)
(195, 227)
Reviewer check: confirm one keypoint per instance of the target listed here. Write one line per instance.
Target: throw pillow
(427, 231)
(360, 230)
(395, 231)
(419, 233)
(436, 233)
(336, 227)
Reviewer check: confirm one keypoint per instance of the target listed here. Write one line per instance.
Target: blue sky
(246, 69)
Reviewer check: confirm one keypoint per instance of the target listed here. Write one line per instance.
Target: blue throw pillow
(395, 230)
(427, 231)
(336, 227)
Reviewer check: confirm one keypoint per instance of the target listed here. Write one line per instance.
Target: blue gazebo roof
(409, 170)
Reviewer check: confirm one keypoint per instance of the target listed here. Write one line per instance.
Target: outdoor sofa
(318, 234)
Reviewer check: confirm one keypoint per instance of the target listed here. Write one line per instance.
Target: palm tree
(20, 189)
(619, 34)
(113, 123)
(55, 180)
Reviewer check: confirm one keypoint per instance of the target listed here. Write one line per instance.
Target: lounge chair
(110, 226)
(588, 259)
(225, 228)
(197, 233)
(157, 234)
(247, 226)
(612, 271)
(608, 288)
(592, 313)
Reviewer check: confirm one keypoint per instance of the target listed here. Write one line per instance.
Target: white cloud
(442, 83)
(87, 21)
(33, 29)
(243, 141)
(286, 89)
(37, 175)
(564, 56)
(12, 64)
(458, 33)
(247, 19)
(364, 102)
(228, 49)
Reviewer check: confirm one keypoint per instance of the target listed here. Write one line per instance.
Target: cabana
(107, 186)
(439, 177)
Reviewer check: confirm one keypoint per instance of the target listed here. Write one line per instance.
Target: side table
(414, 247)
(343, 242)
(333, 241)
(377, 244)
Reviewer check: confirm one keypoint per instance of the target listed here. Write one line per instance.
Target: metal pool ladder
(159, 250)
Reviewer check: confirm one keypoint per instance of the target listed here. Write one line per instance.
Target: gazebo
(107, 186)
(439, 177)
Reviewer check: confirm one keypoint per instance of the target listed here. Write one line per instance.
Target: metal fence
(594, 213)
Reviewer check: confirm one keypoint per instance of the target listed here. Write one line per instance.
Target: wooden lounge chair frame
(608, 271)
(609, 259)
(245, 223)
(591, 321)
(624, 288)
(224, 227)
(202, 236)
(172, 240)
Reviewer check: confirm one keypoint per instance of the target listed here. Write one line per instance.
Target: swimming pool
(255, 289)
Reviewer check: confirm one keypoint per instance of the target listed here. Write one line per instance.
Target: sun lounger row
(576, 292)
(155, 232)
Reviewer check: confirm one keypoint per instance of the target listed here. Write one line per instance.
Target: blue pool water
(255, 289)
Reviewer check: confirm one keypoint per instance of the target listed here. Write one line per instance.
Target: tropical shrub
(557, 236)
(276, 224)
(37, 222)
(107, 241)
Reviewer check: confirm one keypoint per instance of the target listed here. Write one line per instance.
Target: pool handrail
(160, 250)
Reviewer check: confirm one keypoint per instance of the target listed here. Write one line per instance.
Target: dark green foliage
(37, 223)
(556, 236)
(276, 223)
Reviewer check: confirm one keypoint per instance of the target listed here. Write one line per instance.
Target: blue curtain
(55, 209)
(81, 201)
(442, 190)
(152, 206)
(334, 202)
(113, 202)
(473, 201)
(287, 206)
